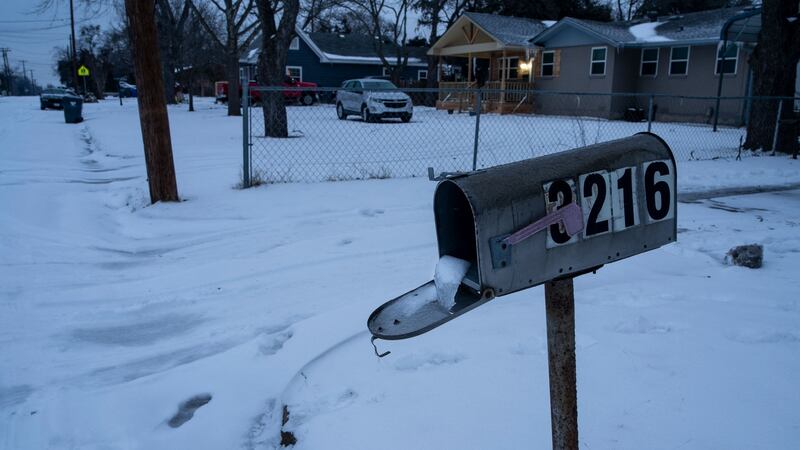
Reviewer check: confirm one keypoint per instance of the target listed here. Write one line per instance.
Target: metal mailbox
(516, 225)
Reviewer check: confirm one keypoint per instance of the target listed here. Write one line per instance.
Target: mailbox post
(545, 221)
(559, 302)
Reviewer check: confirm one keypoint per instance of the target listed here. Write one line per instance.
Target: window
(548, 63)
(509, 67)
(598, 66)
(386, 72)
(731, 58)
(649, 66)
(422, 74)
(295, 44)
(679, 60)
(295, 72)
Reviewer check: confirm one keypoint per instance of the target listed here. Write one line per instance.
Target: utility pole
(6, 69)
(74, 50)
(152, 102)
(24, 70)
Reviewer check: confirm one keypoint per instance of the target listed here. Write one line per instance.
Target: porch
(499, 59)
(510, 97)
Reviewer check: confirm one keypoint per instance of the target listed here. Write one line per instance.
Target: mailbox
(561, 215)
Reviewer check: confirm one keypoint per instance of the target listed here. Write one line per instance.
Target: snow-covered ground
(326, 148)
(113, 312)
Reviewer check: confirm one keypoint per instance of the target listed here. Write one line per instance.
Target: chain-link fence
(345, 134)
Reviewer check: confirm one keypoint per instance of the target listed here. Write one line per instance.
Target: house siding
(574, 77)
(700, 81)
(332, 75)
(622, 76)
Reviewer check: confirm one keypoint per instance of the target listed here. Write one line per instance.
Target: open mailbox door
(522, 224)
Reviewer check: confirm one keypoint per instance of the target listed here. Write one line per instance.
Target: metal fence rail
(478, 133)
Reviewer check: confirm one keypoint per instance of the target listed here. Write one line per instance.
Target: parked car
(53, 97)
(306, 96)
(126, 89)
(373, 100)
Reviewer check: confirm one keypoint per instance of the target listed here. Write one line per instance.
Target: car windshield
(378, 84)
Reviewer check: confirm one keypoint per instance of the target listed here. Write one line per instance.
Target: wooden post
(503, 74)
(152, 104)
(560, 308)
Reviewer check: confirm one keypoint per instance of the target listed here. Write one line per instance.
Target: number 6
(659, 190)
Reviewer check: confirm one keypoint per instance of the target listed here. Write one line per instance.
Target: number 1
(626, 211)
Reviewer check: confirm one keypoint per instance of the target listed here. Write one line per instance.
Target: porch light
(524, 67)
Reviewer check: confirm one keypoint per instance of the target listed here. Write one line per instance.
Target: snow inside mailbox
(513, 226)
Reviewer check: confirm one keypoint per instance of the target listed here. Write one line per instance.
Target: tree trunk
(152, 108)
(191, 90)
(272, 60)
(232, 74)
(774, 65)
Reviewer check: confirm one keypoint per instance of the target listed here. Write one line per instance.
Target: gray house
(677, 55)
(330, 58)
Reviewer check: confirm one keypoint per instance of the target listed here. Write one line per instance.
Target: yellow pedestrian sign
(83, 71)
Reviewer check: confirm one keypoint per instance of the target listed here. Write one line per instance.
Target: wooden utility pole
(152, 104)
(559, 299)
(74, 49)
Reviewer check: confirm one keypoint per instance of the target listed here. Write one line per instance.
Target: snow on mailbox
(519, 225)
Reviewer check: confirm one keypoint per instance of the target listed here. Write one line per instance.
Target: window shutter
(557, 63)
(537, 65)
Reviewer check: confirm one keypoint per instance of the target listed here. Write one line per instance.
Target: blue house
(328, 59)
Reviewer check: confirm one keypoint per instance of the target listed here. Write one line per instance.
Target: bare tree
(278, 19)
(237, 34)
(434, 14)
(172, 16)
(774, 63)
(627, 9)
(152, 106)
(387, 22)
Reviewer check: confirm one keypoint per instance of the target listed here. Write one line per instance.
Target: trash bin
(73, 107)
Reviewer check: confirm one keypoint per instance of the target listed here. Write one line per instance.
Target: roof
(515, 31)
(698, 27)
(336, 48)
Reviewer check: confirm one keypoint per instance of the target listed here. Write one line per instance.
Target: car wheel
(406, 118)
(365, 115)
(340, 112)
(41, 105)
(307, 99)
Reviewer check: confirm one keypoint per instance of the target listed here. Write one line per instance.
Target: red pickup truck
(305, 96)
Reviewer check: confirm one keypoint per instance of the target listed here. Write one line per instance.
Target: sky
(32, 36)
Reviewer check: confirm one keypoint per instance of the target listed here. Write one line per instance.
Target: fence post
(777, 126)
(478, 101)
(650, 114)
(245, 133)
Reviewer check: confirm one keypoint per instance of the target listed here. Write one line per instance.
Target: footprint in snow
(271, 344)
(417, 361)
(186, 410)
(370, 212)
(765, 337)
(641, 326)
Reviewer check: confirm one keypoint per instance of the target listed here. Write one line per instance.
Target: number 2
(595, 202)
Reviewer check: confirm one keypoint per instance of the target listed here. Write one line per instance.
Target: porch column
(469, 68)
(503, 73)
(439, 71)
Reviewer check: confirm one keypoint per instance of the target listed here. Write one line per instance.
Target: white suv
(373, 100)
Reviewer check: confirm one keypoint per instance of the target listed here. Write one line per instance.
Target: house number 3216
(610, 199)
